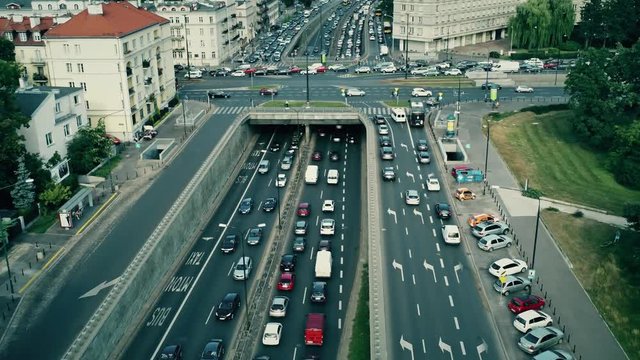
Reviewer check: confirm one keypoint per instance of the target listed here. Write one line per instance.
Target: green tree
(624, 160)
(632, 213)
(7, 50)
(23, 192)
(530, 26)
(54, 196)
(88, 148)
(562, 20)
(622, 21)
(592, 22)
(288, 3)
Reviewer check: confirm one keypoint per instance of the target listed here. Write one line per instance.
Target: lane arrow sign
(392, 212)
(411, 176)
(418, 213)
(404, 146)
(481, 348)
(97, 289)
(405, 345)
(398, 266)
(457, 268)
(445, 347)
(428, 267)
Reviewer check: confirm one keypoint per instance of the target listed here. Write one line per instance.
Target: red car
(304, 209)
(113, 139)
(459, 168)
(321, 69)
(550, 65)
(294, 70)
(268, 91)
(523, 303)
(316, 156)
(250, 71)
(287, 281)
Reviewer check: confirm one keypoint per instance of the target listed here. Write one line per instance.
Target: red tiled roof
(8, 25)
(118, 19)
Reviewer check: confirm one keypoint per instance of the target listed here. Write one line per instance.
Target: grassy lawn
(359, 348)
(295, 104)
(544, 150)
(610, 275)
(42, 223)
(106, 168)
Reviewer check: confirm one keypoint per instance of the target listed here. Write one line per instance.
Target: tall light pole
(278, 205)
(486, 157)
(307, 73)
(486, 82)
(406, 51)
(535, 236)
(186, 45)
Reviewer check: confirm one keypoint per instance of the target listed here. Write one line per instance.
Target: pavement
(572, 309)
(31, 254)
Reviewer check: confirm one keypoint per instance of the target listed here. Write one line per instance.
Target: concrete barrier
(172, 239)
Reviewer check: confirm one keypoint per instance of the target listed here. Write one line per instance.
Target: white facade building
(121, 56)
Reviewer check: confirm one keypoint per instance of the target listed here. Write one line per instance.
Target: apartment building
(430, 26)
(56, 114)
(121, 56)
(210, 32)
(26, 34)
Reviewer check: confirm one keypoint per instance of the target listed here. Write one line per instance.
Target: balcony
(160, 71)
(225, 31)
(127, 51)
(233, 16)
(146, 64)
(41, 78)
(161, 87)
(129, 72)
(38, 60)
(148, 81)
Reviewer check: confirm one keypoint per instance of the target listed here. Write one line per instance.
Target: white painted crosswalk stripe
(378, 110)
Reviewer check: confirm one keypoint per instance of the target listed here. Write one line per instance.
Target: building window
(201, 31)
(203, 55)
(69, 67)
(72, 84)
(210, 19)
(48, 138)
(79, 120)
(200, 19)
(76, 99)
(81, 68)
(213, 54)
(76, 49)
(49, 7)
(36, 36)
(87, 102)
(186, 19)
(133, 44)
(83, 85)
(202, 43)
(411, 8)
(177, 20)
(39, 7)
(67, 132)
(66, 48)
(404, 7)
(57, 107)
(76, 7)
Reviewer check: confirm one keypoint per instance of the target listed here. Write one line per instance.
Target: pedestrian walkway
(360, 106)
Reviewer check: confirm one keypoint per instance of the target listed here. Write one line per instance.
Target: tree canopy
(541, 23)
(7, 50)
(610, 22)
(88, 148)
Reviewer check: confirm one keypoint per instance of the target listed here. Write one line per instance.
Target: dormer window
(23, 36)
(36, 36)
(8, 36)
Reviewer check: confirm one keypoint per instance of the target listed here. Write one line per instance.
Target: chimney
(95, 9)
(34, 21)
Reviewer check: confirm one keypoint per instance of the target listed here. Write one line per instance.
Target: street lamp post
(307, 76)
(278, 205)
(486, 157)
(486, 82)
(406, 51)
(184, 118)
(535, 236)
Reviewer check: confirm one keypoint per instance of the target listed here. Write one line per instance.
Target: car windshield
(240, 266)
(444, 207)
(226, 305)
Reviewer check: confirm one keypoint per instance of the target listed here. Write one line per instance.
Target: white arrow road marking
(97, 289)
(457, 268)
(392, 212)
(445, 347)
(207, 238)
(418, 213)
(428, 267)
(411, 176)
(405, 345)
(404, 146)
(481, 348)
(397, 266)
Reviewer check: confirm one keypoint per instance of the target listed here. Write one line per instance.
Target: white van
(263, 167)
(399, 115)
(311, 175)
(333, 176)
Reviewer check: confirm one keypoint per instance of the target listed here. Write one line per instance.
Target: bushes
(549, 54)
(494, 55)
(569, 46)
(542, 109)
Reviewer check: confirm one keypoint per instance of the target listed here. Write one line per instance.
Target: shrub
(173, 102)
(494, 55)
(542, 109)
(552, 209)
(569, 46)
(578, 214)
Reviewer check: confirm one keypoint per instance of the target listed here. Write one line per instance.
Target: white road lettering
(158, 316)
(179, 284)
(195, 258)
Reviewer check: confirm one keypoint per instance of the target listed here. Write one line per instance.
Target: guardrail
(302, 110)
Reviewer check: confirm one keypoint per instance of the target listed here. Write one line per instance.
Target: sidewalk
(569, 303)
(30, 254)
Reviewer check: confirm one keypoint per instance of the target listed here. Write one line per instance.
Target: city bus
(417, 114)
(387, 27)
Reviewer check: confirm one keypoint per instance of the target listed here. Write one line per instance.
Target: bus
(417, 114)
(387, 27)
(378, 12)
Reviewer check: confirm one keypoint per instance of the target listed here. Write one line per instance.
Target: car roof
(286, 275)
(230, 296)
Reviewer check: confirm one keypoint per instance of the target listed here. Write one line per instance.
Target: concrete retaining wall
(171, 239)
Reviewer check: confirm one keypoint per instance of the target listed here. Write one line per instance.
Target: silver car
(554, 355)
(540, 339)
(243, 268)
(511, 284)
(488, 228)
(279, 306)
(492, 242)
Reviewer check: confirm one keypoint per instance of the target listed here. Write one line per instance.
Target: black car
(388, 173)
(246, 206)
(334, 156)
(178, 67)
(214, 350)
(275, 146)
(269, 204)
(319, 291)
(288, 263)
(229, 244)
(254, 236)
(378, 119)
(219, 72)
(324, 244)
(227, 308)
(342, 69)
(421, 145)
(171, 352)
(215, 94)
(385, 140)
(443, 211)
(491, 85)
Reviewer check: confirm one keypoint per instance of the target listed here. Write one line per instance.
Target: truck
(314, 329)
(323, 264)
(384, 50)
(311, 175)
(507, 66)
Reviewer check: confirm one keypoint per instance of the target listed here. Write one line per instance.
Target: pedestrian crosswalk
(361, 107)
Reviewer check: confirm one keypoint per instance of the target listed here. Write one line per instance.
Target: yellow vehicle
(476, 219)
(463, 194)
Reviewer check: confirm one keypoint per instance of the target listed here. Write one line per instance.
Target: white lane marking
(210, 312)
(341, 274)
(231, 269)
(418, 307)
(317, 220)
(414, 278)
(342, 216)
(344, 191)
(340, 305)
(321, 194)
(434, 233)
(410, 254)
(311, 255)
(406, 230)
(343, 198)
(295, 350)
(455, 320)
(446, 280)
(304, 296)
(464, 351)
(341, 260)
(424, 347)
(340, 289)
(428, 207)
(342, 205)
(341, 236)
(437, 247)
(339, 323)
(441, 263)
(341, 248)
(451, 301)
(431, 219)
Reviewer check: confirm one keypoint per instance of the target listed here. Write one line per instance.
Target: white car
(279, 306)
(238, 73)
(419, 71)
(420, 92)
(453, 72)
(355, 92)
(335, 67)
(412, 197)
(327, 227)
(193, 74)
(433, 184)
(363, 70)
(272, 333)
(328, 206)
(531, 319)
(451, 234)
(389, 70)
(243, 268)
(506, 266)
(383, 129)
(309, 71)
(281, 180)
(443, 65)
(524, 89)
